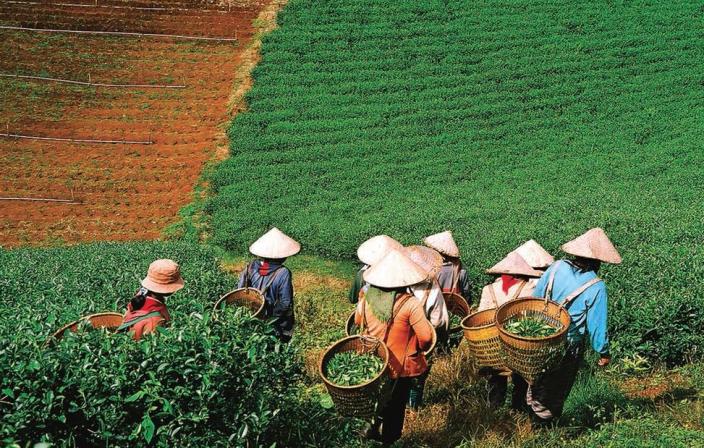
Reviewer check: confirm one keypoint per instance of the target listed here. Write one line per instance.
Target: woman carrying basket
(452, 277)
(430, 296)
(147, 309)
(370, 252)
(574, 284)
(515, 278)
(269, 275)
(388, 312)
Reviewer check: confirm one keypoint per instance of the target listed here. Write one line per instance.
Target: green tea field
(502, 121)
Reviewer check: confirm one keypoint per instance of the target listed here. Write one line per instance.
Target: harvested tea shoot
(530, 327)
(352, 368)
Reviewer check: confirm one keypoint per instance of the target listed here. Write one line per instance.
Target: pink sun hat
(163, 277)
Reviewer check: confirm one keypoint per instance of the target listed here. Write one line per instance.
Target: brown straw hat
(395, 270)
(443, 243)
(163, 277)
(535, 255)
(513, 264)
(425, 257)
(593, 244)
(275, 244)
(373, 250)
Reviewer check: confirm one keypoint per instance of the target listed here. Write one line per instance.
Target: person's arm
(597, 314)
(243, 276)
(284, 293)
(421, 326)
(356, 286)
(542, 285)
(358, 314)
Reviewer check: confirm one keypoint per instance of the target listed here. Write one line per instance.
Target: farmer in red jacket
(147, 309)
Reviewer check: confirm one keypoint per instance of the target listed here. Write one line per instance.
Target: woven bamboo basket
(483, 340)
(250, 298)
(351, 329)
(457, 305)
(360, 400)
(107, 320)
(531, 357)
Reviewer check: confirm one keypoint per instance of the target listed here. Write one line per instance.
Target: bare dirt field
(125, 191)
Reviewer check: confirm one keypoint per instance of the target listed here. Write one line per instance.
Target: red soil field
(127, 191)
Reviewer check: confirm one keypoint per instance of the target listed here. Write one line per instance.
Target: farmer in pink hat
(147, 309)
(574, 284)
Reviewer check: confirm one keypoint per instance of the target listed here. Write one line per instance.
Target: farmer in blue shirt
(269, 275)
(574, 284)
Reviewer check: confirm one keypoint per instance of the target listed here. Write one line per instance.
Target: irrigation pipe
(94, 84)
(63, 201)
(74, 140)
(119, 33)
(139, 8)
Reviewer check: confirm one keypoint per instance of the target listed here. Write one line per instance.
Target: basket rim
(63, 329)
(478, 327)
(356, 386)
(557, 335)
(226, 295)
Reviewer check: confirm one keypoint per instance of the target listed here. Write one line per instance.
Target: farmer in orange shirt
(147, 309)
(389, 313)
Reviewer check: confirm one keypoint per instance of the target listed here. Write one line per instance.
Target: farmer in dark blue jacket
(269, 275)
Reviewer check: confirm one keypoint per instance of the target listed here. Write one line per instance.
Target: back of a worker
(389, 313)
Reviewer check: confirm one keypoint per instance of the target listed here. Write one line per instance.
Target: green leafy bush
(197, 383)
(502, 122)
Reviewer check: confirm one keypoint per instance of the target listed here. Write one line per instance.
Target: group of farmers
(399, 294)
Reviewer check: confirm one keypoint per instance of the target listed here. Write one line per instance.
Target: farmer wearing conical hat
(269, 275)
(430, 295)
(452, 277)
(370, 252)
(574, 284)
(147, 309)
(515, 278)
(388, 312)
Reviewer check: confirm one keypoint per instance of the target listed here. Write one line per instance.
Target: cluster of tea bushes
(501, 121)
(198, 383)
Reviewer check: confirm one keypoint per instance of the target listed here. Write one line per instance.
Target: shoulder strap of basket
(271, 279)
(574, 294)
(393, 315)
(126, 325)
(551, 280)
(518, 291)
(454, 280)
(247, 275)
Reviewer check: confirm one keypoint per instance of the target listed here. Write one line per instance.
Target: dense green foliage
(501, 121)
(232, 376)
(529, 327)
(352, 368)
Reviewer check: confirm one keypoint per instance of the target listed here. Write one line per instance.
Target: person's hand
(604, 361)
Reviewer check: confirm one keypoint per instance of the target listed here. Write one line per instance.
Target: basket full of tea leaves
(530, 327)
(353, 370)
(533, 334)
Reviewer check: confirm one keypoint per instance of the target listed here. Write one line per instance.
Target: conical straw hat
(373, 250)
(535, 255)
(275, 244)
(513, 264)
(425, 257)
(443, 243)
(595, 245)
(395, 270)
